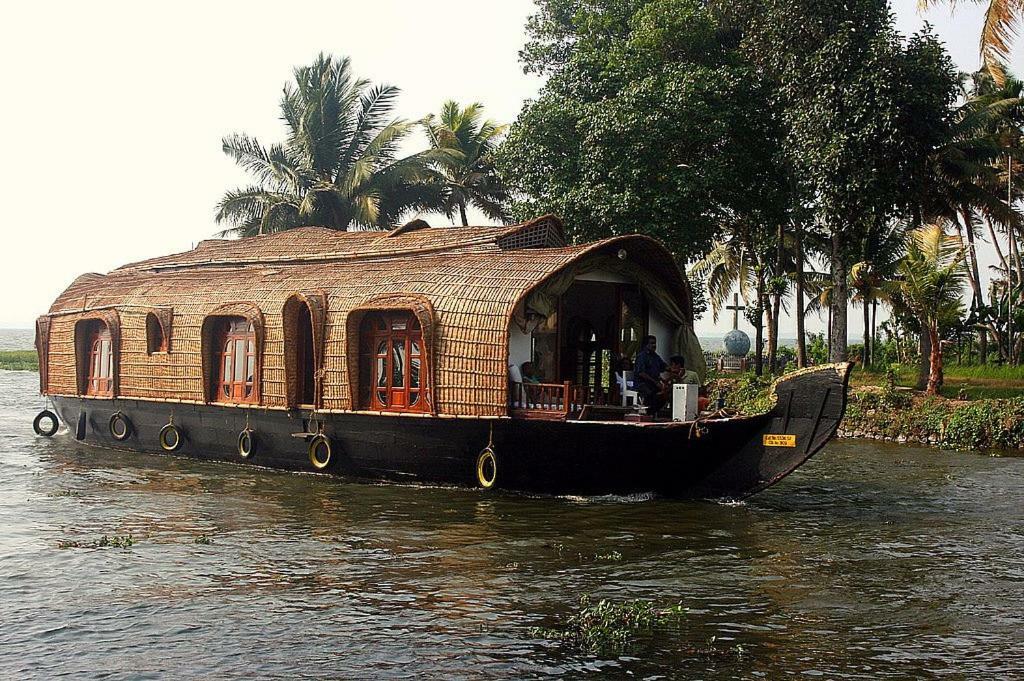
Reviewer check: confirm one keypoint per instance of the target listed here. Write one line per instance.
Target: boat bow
(809, 406)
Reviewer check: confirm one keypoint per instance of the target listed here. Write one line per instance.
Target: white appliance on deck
(684, 402)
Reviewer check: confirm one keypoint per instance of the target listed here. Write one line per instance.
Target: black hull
(719, 459)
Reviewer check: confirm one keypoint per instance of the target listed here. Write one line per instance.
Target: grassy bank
(19, 360)
(973, 382)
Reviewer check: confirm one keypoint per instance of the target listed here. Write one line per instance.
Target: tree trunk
(865, 353)
(978, 303)
(829, 343)
(972, 273)
(874, 330)
(759, 331)
(924, 350)
(773, 341)
(1013, 275)
(995, 243)
(837, 351)
(462, 213)
(935, 362)
(780, 271)
(801, 340)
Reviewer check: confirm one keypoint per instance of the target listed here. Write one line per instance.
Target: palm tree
(930, 283)
(881, 250)
(338, 167)
(964, 181)
(728, 266)
(997, 32)
(469, 176)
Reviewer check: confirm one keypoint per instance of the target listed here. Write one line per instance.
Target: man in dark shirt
(647, 375)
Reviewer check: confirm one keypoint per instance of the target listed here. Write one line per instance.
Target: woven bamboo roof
(472, 277)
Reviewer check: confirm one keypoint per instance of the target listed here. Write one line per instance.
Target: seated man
(678, 373)
(529, 373)
(647, 371)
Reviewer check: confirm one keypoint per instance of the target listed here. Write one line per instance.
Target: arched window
(394, 362)
(235, 368)
(156, 338)
(300, 352)
(99, 379)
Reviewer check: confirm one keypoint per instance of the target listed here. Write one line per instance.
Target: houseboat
(396, 355)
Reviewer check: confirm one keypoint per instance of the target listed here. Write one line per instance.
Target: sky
(115, 111)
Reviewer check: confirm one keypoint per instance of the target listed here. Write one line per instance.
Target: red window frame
(237, 370)
(100, 368)
(398, 363)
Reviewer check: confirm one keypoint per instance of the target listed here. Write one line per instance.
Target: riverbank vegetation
(19, 360)
(984, 409)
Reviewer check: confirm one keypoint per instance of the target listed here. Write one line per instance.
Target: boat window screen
(236, 381)
(394, 362)
(100, 379)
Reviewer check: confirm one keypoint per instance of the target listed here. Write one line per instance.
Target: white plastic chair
(629, 396)
(515, 377)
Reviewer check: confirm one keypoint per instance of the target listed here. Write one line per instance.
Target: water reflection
(870, 562)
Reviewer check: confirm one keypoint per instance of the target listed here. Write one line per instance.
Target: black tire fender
(319, 451)
(170, 438)
(487, 468)
(247, 443)
(126, 427)
(37, 423)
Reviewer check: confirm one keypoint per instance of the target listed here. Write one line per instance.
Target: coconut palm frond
(461, 142)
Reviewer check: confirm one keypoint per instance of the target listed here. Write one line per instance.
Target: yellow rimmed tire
(487, 468)
(170, 438)
(247, 443)
(120, 426)
(319, 451)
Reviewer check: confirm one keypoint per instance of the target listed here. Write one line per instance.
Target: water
(870, 562)
(17, 339)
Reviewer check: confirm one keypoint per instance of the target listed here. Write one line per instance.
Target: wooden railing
(550, 399)
(545, 397)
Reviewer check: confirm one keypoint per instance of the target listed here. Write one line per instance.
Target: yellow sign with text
(776, 440)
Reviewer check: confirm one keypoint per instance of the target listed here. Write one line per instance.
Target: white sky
(115, 111)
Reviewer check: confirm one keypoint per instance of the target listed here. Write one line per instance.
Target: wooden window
(99, 378)
(156, 339)
(397, 370)
(236, 366)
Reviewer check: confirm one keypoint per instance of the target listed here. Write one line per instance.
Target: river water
(870, 562)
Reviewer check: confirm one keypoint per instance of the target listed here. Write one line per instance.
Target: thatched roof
(471, 278)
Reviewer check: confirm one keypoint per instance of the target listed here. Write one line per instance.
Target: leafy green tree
(930, 284)
(339, 165)
(468, 176)
(648, 123)
(861, 110)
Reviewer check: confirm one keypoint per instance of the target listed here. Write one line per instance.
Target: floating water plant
(204, 539)
(605, 626)
(117, 542)
(65, 493)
